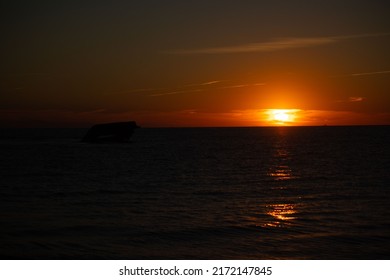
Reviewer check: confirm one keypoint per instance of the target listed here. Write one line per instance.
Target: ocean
(197, 193)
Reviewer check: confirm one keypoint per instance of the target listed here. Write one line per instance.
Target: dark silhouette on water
(110, 132)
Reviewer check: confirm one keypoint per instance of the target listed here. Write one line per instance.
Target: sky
(194, 63)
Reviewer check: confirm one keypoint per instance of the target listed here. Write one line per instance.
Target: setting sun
(281, 116)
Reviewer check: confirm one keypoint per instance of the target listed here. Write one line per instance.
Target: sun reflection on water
(281, 172)
(282, 211)
(279, 168)
(282, 214)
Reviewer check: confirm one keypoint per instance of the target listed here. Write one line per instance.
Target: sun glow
(281, 116)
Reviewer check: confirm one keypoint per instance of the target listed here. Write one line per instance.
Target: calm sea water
(206, 193)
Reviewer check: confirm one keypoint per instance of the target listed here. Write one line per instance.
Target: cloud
(279, 44)
(176, 92)
(352, 99)
(137, 90)
(276, 44)
(204, 84)
(362, 74)
(198, 87)
(356, 99)
(370, 73)
(166, 91)
(244, 85)
(201, 87)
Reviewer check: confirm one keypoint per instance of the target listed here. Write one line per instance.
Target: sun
(281, 116)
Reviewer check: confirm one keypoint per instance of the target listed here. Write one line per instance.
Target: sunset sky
(194, 63)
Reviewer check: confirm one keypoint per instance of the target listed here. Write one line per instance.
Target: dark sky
(194, 63)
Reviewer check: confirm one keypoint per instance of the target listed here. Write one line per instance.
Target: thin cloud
(276, 44)
(204, 84)
(198, 87)
(159, 91)
(362, 74)
(371, 73)
(352, 99)
(244, 85)
(185, 89)
(355, 99)
(138, 90)
(176, 92)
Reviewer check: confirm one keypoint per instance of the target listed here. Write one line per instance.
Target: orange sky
(199, 63)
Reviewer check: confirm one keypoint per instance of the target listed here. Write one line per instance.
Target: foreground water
(206, 193)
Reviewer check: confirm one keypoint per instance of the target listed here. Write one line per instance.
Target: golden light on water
(281, 214)
(281, 173)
